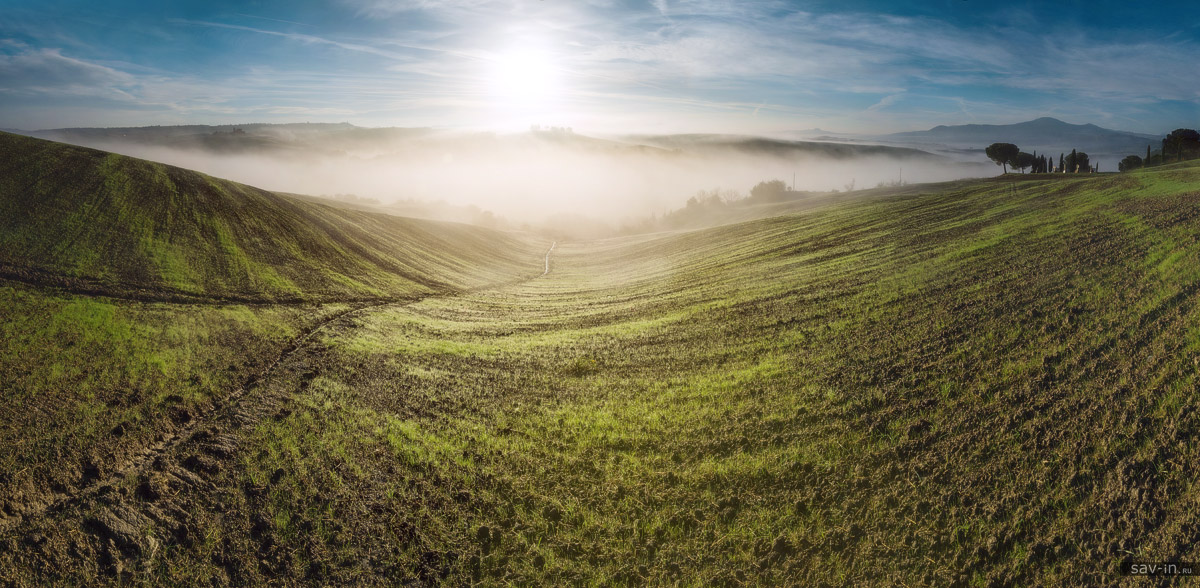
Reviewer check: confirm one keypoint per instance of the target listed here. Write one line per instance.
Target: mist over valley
(524, 177)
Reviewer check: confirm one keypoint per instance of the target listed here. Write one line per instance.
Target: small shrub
(582, 366)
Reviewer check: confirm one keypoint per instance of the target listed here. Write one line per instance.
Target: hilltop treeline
(1180, 145)
(720, 206)
(1007, 154)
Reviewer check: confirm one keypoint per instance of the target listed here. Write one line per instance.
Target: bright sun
(524, 83)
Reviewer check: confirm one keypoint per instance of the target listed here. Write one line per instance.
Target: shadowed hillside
(102, 222)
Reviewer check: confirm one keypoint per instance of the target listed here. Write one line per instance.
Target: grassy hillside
(89, 383)
(138, 301)
(109, 223)
(987, 384)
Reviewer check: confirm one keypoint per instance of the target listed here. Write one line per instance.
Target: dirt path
(183, 460)
(227, 406)
(548, 252)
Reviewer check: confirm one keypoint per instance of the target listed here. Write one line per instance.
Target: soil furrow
(228, 405)
(235, 411)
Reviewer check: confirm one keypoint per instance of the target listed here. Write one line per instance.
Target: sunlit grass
(731, 406)
(962, 387)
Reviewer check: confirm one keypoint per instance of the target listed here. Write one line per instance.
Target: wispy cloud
(278, 20)
(48, 71)
(303, 38)
(885, 102)
(391, 8)
(765, 61)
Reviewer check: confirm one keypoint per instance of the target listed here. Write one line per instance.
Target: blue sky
(601, 65)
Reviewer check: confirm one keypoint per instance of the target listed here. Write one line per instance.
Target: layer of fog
(531, 177)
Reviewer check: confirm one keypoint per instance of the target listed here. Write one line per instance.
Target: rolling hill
(110, 223)
(142, 300)
(310, 139)
(985, 382)
(513, 179)
(323, 140)
(969, 384)
(762, 146)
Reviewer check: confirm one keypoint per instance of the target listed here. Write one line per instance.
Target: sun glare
(524, 83)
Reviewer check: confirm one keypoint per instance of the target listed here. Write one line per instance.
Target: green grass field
(980, 383)
(119, 225)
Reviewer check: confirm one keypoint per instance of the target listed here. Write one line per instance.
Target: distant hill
(1046, 135)
(706, 143)
(522, 177)
(233, 139)
(321, 139)
(80, 217)
(345, 137)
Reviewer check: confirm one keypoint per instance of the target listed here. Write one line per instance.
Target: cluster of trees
(769, 191)
(1180, 145)
(707, 207)
(551, 130)
(1007, 154)
(710, 207)
(714, 197)
(1074, 163)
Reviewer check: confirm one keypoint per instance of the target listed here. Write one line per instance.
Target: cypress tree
(1062, 166)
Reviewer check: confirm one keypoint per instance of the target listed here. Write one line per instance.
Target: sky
(601, 66)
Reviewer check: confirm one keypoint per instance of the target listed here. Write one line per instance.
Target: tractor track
(229, 406)
(548, 252)
(214, 433)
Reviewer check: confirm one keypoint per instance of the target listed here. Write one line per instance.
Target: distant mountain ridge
(1044, 124)
(1046, 134)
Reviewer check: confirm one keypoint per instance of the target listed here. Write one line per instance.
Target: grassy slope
(117, 223)
(993, 384)
(988, 383)
(89, 381)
